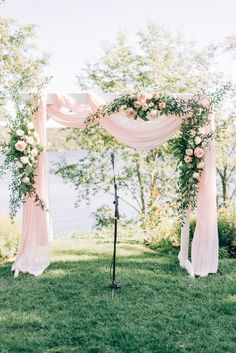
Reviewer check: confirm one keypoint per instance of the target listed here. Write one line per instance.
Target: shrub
(9, 237)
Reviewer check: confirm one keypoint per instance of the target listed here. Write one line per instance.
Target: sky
(72, 31)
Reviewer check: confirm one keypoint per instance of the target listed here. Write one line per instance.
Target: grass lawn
(158, 310)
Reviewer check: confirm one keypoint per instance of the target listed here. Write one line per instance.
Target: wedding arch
(119, 118)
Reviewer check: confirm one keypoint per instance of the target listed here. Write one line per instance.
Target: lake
(66, 218)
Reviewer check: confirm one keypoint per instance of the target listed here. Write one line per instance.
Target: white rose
(24, 160)
(197, 140)
(30, 126)
(200, 165)
(20, 132)
(30, 140)
(196, 175)
(26, 180)
(34, 152)
(153, 113)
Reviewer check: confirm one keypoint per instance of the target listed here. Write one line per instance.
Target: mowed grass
(158, 310)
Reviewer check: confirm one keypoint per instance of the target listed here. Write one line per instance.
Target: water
(66, 218)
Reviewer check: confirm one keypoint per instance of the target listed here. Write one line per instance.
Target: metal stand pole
(114, 285)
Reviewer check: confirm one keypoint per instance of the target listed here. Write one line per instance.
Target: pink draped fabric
(34, 253)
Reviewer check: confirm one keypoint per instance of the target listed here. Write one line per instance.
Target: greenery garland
(21, 155)
(192, 140)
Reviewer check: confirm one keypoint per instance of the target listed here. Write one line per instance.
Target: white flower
(34, 152)
(30, 140)
(26, 180)
(30, 126)
(153, 113)
(189, 152)
(20, 132)
(19, 164)
(20, 146)
(24, 160)
(196, 175)
(36, 136)
(197, 140)
(202, 131)
(145, 106)
(200, 165)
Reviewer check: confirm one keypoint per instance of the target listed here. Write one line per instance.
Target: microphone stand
(114, 285)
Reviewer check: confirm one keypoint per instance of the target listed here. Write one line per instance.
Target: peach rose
(187, 159)
(20, 146)
(137, 104)
(199, 152)
(162, 105)
(189, 152)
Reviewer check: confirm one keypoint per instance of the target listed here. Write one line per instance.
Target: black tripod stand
(114, 285)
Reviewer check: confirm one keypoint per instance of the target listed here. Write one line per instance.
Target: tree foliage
(160, 60)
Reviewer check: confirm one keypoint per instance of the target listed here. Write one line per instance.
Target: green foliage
(227, 230)
(9, 237)
(21, 152)
(159, 59)
(158, 309)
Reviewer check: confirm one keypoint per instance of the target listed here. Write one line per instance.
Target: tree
(20, 62)
(162, 61)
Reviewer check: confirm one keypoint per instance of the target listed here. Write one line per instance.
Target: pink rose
(155, 94)
(130, 113)
(192, 133)
(162, 105)
(189, 152)
(187, 159)
(137, 104)
(20, 146)
(141, 96)
(199, 152)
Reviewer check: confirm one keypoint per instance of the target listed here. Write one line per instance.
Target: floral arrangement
(21, 155)
(190, 144)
